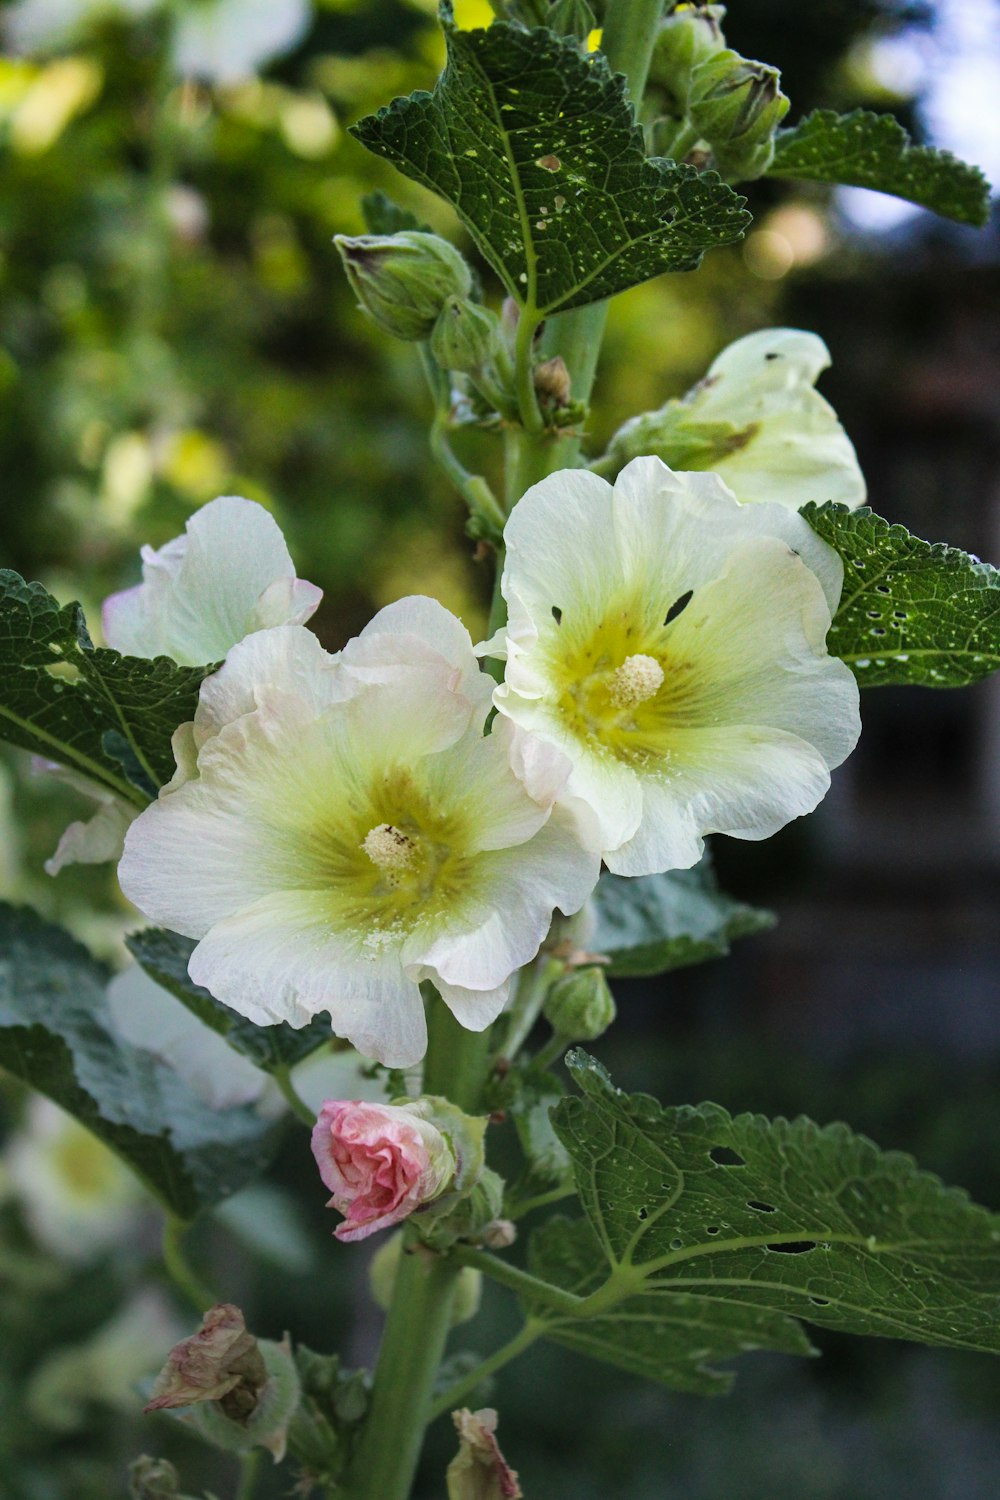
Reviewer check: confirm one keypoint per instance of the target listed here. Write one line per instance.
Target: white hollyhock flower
(757, 421)
(671, 642)
(348, 832)
(228, 575)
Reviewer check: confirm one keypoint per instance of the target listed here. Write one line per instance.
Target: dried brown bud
(552, 381)
(221, 1362)
(479, 1471)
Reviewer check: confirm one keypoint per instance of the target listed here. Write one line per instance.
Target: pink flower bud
(380, 1161)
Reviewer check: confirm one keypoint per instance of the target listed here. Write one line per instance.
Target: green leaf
(735, 1226)
(56, 1034)
(383, 216)
(911, 612)
(654, 923)
(100, 713)
(164, 956)
(874, 151)
(536, 148)
(676, 1339)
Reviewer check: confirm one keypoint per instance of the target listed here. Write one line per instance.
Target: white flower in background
(227, 576)
(106, 1368)
(332, 851)
(671, 642)
(756, 421)
(218, 41)
(224, 41)
(78, 1198)
(148, 1016)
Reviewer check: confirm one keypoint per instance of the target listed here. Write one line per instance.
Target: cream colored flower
(671, 643)
(342, 830)
(758, 422)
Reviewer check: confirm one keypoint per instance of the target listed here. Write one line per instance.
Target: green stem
(385, 1460)
(462, 1389)
(684, 139)
(552, 1050)
(532, 987)
(473, 488)
(249, 1474)
(519, 1210)
(184, 1278)
(282, 1076)
(541, 1293)
(524, 373)
(627, 42)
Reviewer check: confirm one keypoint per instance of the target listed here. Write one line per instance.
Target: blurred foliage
(174, 325)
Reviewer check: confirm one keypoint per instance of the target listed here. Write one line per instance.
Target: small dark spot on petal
(678, 606)
(557, 614)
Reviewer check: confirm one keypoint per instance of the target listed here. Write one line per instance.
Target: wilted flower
(479, 1470)
(227, 576)
(381, 1162)
(341, 830)
(756, 421)
(221, 1362)
(671, 642)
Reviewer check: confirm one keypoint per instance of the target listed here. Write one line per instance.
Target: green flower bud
(153, 1479)
(690, 35)
(382, 1280)
(571, 18)
(405, 279)
(580, 1005)
(737, 105)
(466, 336)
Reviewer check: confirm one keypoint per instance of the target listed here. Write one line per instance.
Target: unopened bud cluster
(731, 104)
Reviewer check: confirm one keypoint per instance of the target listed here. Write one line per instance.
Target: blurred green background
(173, 326)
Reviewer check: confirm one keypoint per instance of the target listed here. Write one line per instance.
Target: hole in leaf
(678, 606)
(63, 671)
(712, 1229)
(820, 1301)
(724, 1156)
(643, 1213)
(677, 1244)
(794, 1247)
(761, 1208)
(882, 588)
(557, 614)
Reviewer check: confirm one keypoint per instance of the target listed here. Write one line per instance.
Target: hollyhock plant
(381, 1162)
(758, 422)
(340, 836)
(671, 643)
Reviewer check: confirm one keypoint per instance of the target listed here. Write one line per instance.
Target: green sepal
(56, 1034)
(911, 612)
(874, 151)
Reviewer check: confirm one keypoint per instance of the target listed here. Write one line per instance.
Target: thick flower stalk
(758, 422)
(671, 643)
(341, 830)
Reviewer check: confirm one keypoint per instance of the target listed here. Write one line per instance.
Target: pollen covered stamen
(388, 848)
(638, 679)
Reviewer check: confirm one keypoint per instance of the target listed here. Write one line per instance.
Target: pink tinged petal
(283, 662)
(540, 766)
(381, 1162)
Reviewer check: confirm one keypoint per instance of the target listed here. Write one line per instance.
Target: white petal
(280, 961)
(742, 781)
(202, 592)
(101, 837)
(560, 546)
(771, 361)
(286, 661)
(474, 1009)
(149, 1017)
